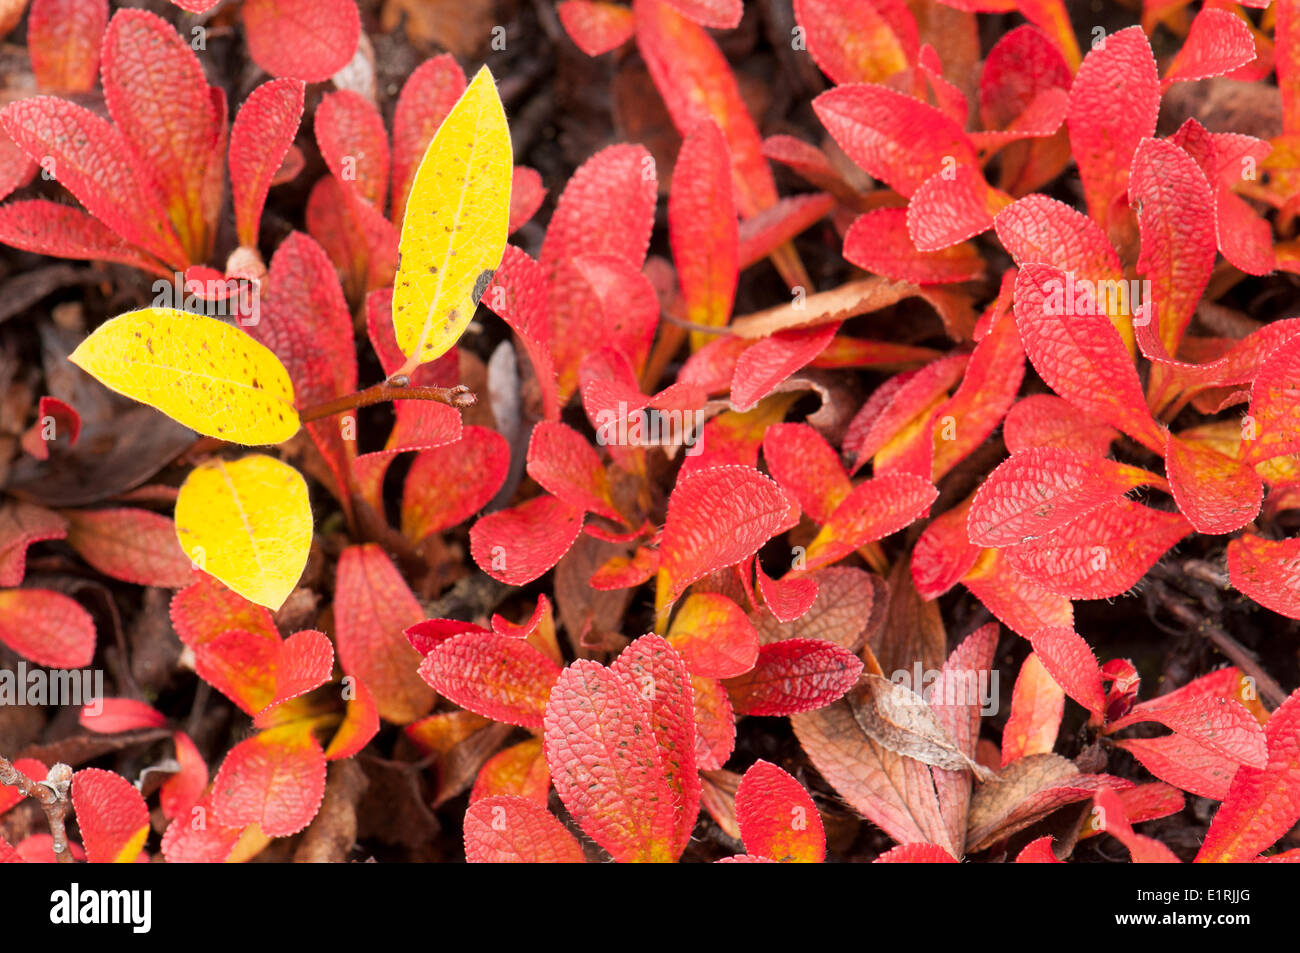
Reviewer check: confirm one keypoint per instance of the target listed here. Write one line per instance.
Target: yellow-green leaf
(454, 231)
(204, 373)
(247, 522)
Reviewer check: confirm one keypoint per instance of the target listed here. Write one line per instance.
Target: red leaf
(372, 608)
(496, 676)
(1268, 571)
(305, 663)
(354, 144)
(517, 545)
(1043, 490)
(604, 762)
(895, 138)
(762, 234)
(514, 830)
(449, 484)
(607, 208)
(596, 27)
(804, 464)
(863, 42)
(21, 525)
(426, 98)
(702, 227)
(1217, 493)
(1037, 703)
(651, 668)
(763, 366)
(120, 714)
(1184, 763)
(716, 518)
(48, 228)
(156, 92)
(564, 464)
(715, 14)
(325, 35)
(111, 814)
(182, 790)
(1113, 107)
(944, 553)
(133, 545)
(526, 196)
(1275, 405)
(520, 294)
(794, 675)
(788, 598)
(64, 37)
(897, 404)
(1102, 554)
(1069, 660)
(1021, 605)
(1208, 711)
(1038, 229)
(879, 242)
(916, 854)
(1262, 803)
(360, 721)
(16, 170)
(715, 726)
(1218, 42)
(1038, 852)
(518, 771)
(1045, 420)
(92, 159)
(714, 636)
(240, 665)
(47, 628)
(875, 509)
(952, 206)
(1022, 65)
(777, 818)
(260, 139)
(55, 421)
(1113, 818)
(1079, 354)
(704, 90)
(987, 391)
(1175, 211)
(186, 842)
(206, 609)
(275, 779)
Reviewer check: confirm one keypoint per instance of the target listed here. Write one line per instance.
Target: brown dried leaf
(894, 792)
(1026, 791)
(903, 722)
(827, 307)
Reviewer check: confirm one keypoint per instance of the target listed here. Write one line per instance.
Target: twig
(394, 388)
(53, 795)
(1238, 654)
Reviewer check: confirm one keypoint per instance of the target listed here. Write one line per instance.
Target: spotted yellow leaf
(454, 230)
(208, 375)
(248, 523)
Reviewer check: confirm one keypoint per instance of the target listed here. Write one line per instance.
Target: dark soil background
(564, 106)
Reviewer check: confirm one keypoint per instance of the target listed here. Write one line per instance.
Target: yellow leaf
(248, 523)
(454, 230)
(204, 373)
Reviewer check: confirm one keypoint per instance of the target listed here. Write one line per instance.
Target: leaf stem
(394, 388)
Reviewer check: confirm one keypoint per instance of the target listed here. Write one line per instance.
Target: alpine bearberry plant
(785, 450)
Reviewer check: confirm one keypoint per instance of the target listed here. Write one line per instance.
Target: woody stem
(459, 396)
(52, 793)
